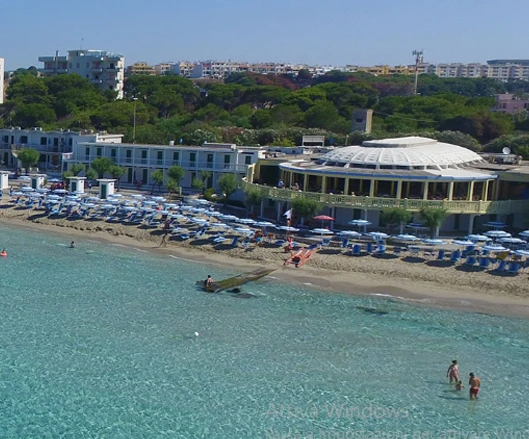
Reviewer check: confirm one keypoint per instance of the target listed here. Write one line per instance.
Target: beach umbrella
(433, 241)
(149, 203)
(60, 191)
(497, 234)
(43, 190)
(406, 237)
(495, 224)
(478, 238)
(228, 217)
(360, 223)
(521, 252)
(321, 231)
(524, 234)
(464, 243)
(323, 218)
(27, 189)
(54, 180)
(53, 197)
(245, 221)
(494, 248)
(24, 177)
(200, 221)
(509, 240)
(115, 196)
(158, 199)
(264, 224)
(378, 235)
(88, 205)
(416, 226)
(170, 206)
(17, 194)
(350, 233)
(220, 225)
(243, 230)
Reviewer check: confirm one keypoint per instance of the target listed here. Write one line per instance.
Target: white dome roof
(409, 152)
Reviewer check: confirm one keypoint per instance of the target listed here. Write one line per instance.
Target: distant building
(1, 80)
(51, 144)
(101, 68)
(140, 68)
(163, 68)
(510, 104)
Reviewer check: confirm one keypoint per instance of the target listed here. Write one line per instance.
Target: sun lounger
(502, 265)
(514, 267)
(441, 255)
(235, 242)
(484, 262)
(369, 247)
(397, 251)
(345, 243)
(325, 242)
(471, 260)
(356, 250)
(455, 257)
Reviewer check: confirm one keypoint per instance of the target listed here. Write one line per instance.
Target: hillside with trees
(255, 109)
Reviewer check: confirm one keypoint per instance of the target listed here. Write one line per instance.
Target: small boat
(235, 281)
(299, 257)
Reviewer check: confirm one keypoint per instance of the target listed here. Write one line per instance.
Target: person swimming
(475, 383)
(459, 385)
(453, 372)
(72, 244)
(209, 281)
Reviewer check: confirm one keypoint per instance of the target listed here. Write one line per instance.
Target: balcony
(375, 203)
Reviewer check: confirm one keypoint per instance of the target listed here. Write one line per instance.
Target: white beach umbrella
(495, 224)
(478, 238)
(60, 191)
(464, 243)
(287, 229)
(406, 237)
(247, 221)
(200, 221)
(512, 241)
(494, 248)
(433, 241)
(378, 235)
(349, 233)
(521, 252)
(321, 231)
(524, 234)
(497, 234)
(158, 199)
(243, 230)
(27, 189)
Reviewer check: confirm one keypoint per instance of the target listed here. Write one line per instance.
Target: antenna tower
(418, 60)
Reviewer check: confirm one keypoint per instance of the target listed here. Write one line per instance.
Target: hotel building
(101, 68)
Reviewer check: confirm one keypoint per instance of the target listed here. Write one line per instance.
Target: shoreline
(420, 284)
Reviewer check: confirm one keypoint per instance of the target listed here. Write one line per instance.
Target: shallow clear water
(98, 342)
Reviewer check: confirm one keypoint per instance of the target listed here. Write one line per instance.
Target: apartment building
(52, 145)
(2, 80)
(104, 69)
(141, 161)
(140, 68)
(510, 104)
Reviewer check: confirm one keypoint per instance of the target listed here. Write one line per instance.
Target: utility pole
(418, 60)
(134, 122)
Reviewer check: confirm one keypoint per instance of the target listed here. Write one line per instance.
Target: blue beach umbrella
(321, 231)
(494, 248)
(478, 238)
(406, 238)
(463, 242)
(433, 241)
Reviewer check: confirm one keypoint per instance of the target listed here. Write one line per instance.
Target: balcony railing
(377, 203)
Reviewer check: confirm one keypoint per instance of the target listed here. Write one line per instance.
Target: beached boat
(299, 257)
(235, 281)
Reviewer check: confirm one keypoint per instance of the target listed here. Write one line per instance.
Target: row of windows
(43, 140)
(159, 155)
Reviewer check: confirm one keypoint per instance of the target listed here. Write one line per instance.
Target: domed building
(409, 172)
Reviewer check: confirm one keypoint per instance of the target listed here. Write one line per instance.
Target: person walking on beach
(474, 383)
(453, 372)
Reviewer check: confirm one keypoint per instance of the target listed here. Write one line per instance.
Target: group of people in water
(474, 382)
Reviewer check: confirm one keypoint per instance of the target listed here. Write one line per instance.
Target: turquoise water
(98, 342)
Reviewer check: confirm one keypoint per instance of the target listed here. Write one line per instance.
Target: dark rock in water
(372, 310)
(235, 290)
(245, 296)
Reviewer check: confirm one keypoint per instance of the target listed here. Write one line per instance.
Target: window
(113, 153)
(176, 156)
(87, 65)
(23, 139)
(227, 159)
(77, 65)
(99, 152)
(209, 160)
(193, 157)
(143, 153)
(70, 65)
(145, 176)
(110, 87)
(159, 155)
(55, 141)
(87, 151)
(248, 160)
(43, 141)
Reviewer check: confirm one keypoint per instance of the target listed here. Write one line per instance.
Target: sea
(107, 341)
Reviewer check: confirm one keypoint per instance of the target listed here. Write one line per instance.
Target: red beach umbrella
(323, 218)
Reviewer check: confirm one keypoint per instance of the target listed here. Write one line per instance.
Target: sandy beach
(421, 280)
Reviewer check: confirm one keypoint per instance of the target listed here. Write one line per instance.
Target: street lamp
(134, 122)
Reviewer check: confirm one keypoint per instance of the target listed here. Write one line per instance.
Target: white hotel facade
(140, 161)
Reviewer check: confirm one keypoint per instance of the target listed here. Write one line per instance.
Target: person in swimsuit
(459, 385)
(475, 383)
(209, 281)
(453, 372)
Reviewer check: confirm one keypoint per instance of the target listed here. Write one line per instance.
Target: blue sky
(334, 32)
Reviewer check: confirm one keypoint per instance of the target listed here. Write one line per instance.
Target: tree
(76, 169)
(102, 165)
(305, 208)
(433, 219)
(172, 186)
(229, 184)
(205, 176)
(158, 178)
(91, 174)
(117, 172)
(197, 184)
(395, 216)
(253, 197)
(28, 157)
(176, 173)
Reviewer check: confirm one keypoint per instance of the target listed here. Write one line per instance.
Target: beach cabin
(4, 180)
(37, 181)
(77, 184)
(106, 187)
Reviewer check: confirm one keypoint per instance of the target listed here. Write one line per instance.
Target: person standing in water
(453, 372)
(474, 383)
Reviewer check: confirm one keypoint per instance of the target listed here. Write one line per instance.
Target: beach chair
(246, 243)
(345, 243)
(441, 255)
(414, 251)
(514, 267)
(325, 242)
(369, 247)
(471, 260)
(356, 250)
(428, 253)
(455, 257)
(484, 262)
(380, 250)
(502, 265)
(235, 241)
(397, 251)
(469, 249)
(218, 239)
